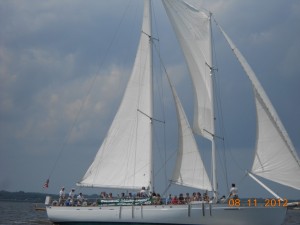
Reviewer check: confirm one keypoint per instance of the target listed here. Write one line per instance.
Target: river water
(24, 213)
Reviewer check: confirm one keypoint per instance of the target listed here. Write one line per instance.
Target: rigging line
(217, 97)
(66, 140)
(165, 71)
(159, 152)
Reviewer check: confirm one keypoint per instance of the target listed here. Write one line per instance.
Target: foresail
(193, 31)
(124, 159)
(189, 170)
(275, 156)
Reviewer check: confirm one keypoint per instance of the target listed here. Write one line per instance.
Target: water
(21, 213)
(24, 213)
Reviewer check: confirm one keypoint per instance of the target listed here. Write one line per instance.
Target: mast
(147, 11)
(213, 144)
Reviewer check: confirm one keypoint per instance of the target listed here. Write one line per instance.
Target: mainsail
(189, 170)
(193, 30)
(275, 156)
(124, 159)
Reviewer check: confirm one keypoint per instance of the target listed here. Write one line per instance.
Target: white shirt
(233, 191)
(71, 194)
(79, 197)
(61, 193)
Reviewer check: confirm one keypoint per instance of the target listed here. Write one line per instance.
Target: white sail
(275, 156)
(189, 170)
(124, 159)
(193, 31)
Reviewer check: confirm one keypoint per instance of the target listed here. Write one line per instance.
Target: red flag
(46, 184)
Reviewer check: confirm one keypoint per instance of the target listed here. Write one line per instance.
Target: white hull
(169, 214)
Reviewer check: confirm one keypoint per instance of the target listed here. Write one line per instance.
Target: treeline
(34, 197)
(22, 196)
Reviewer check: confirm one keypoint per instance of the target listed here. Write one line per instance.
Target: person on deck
(61, 196)
(199, 196)
(206, 197)
(72, 193)
(154, 198)
(181, 199)
(143, 192)
(187, 198)
(233, 192)
(71, 196)
(223, 199)
(169, 199)
(174, 200)
(80, 198)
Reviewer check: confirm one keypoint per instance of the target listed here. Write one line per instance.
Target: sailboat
(124, 160)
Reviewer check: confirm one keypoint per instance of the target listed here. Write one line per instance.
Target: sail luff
(124, 158)
(189, 168)
(275, 156)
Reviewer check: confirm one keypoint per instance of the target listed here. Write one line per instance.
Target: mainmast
(147, 30)
(213, 144)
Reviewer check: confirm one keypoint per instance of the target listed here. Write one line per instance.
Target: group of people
(156, 199)
(71, 199)
(187, 198)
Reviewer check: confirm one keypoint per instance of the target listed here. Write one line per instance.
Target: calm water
(24, 213)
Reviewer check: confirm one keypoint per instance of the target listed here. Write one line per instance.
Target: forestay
(124, 159)
(275, 156)
(193, 31)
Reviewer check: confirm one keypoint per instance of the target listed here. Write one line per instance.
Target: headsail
(189, 170)
(193, 31)
(124, 159)
(275, 156)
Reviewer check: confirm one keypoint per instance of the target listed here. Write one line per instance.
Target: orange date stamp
(253, 202)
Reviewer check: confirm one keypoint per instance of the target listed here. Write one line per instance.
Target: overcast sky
(64, 67)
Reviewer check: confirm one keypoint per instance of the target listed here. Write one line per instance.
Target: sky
(64, 67)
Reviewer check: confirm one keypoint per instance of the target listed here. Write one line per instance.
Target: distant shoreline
(22, 196)
(32, 197)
